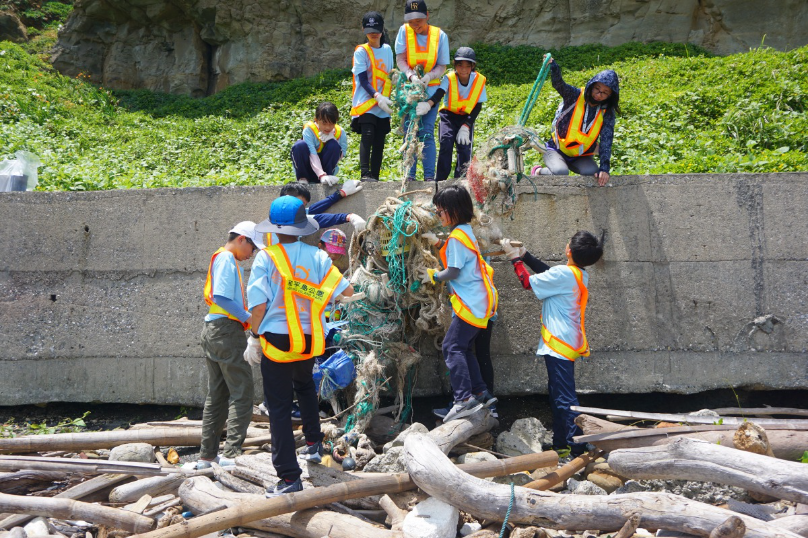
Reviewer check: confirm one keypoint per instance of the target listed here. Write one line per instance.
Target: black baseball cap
(465, 53)
(373, 22)
(415, 9)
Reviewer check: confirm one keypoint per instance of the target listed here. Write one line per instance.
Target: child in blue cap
(291, 283)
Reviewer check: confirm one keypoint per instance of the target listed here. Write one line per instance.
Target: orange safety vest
(377, 75)
(463, 106)
(427, 57)
(318, 294)
(560, 346)
(313, 126)
(577, 143)
(208, 292)
(487, 272)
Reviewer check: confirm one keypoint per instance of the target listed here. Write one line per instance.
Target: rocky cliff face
(197, 47)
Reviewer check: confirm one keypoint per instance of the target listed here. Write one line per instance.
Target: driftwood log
(70, 465)
(200, 495)
(690, 418)
(731, 528)
(436, 475)
(22, 482)
(691, 459)
(796, 524)
(557, 476)
(787, 444)
(71, 509)
(154, 486)
(242, 514)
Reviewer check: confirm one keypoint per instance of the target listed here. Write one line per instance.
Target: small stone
(604, 480)
(533, 432)
(631, 486)
(470, 528)
(416, 427)
(140, 452)
(37, 527)
(518, 479)
(390, 462)
(584, 487)
(431, 518)
(513, 445)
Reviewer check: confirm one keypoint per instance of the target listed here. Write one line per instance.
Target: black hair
(456, 201)
(296, 189)
(585, 248)
(232, 236)
(327, 111)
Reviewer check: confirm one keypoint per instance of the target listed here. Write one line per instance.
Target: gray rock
(11, 28)
(706, 492)
(584, 487)
(142, 452)
(475, 457)
(390, 462)
(37, 527)
(631, 486)
(518, 479)
(512, 445)
(470, 528)
(533, 432)
(416, 427)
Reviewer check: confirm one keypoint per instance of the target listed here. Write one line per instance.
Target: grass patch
(684, 111)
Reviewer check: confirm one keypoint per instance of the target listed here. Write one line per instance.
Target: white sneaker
(227, 462)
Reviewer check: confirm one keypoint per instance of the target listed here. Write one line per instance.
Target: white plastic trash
(19, 174)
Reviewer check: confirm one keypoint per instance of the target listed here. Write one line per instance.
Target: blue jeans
(561, 387)
(426, 134)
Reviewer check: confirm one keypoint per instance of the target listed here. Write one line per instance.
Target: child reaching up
(474, 301)
(563, 291)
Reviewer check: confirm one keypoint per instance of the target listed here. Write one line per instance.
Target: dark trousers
(281, 381)
(561, 387)
(450, 123)
(464, 370)
(329, 157)
(371, 146)
(482, 348)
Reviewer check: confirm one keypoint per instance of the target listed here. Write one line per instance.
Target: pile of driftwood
(433, 498)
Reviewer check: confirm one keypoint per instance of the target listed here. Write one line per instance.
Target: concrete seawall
(704, 285)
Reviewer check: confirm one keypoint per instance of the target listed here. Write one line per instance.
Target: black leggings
(371, 145)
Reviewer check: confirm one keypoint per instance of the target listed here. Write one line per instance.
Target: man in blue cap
(291, 283)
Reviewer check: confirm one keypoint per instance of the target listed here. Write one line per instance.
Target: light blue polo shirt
(469, 285)
(361, 63)
(310, 263)
(226, 283)
(463, 90)
(559, 292)
(443, 50)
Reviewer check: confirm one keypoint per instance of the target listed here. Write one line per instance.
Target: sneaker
(463, 409)
(369, 179)
(296, 413)
(429, 180)
(227, 462)
(536, 170)
(440, 413)
(486, 398)
(206, 464)
(262, 409)
(283, 487)
(312, 453)
(493, 409)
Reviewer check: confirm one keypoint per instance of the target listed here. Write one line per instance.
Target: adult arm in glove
(383, 102)
(351, 186)
(423, 108)
(358, 222)
(464, 135)
(512, 251)
(253, 354)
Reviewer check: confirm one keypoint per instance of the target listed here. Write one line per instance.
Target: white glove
(357, 221)
(383, 102)
(253, 354)
(414, 78)
(350, 187)
(431, 238)
(325, 137)
(512, 252)
(425, 275)
(329, 180)
(464, 136)
(423, 108)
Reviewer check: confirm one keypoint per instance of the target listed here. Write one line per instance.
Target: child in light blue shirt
(323, 145)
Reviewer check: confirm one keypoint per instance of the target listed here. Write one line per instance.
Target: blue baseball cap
(287, 215)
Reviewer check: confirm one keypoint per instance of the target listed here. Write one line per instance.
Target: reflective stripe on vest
(377, 76)
(487, 272)
(427, 57)
(208, 292)
(454, 103)
(560, 346)
(576, 142)
(313, 126)
(318, 294)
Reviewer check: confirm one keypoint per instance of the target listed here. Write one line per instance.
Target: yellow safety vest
(463, 106)
(377, 75)
(208, 292)
(577, 143)
(318, 294)
(487, 272)
(560, 346)
(313, 126)
(427, 57)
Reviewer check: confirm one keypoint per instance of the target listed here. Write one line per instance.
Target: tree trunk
(435, 474)
(200, 495)
(690, 459)
(243, 514)
(70, 509)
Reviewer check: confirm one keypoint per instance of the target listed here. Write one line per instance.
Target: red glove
(521, 273)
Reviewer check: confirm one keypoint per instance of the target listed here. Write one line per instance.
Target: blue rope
(507, 514)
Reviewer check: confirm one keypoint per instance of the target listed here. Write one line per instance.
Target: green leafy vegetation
(41, 19)
(684, 111)
(65, 425)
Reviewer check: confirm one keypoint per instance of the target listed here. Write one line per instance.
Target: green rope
(507, 514)
(534, 92)
(401, 227)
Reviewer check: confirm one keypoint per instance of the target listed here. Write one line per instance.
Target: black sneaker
(283, 487)
(493, 409)
(463, 409)
(486, 398)
(312, 453)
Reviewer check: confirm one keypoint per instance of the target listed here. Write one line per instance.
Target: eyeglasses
(440, 212)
